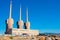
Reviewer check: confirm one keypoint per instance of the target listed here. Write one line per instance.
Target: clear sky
(44, 15)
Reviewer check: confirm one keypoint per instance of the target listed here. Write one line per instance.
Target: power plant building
(19, 30)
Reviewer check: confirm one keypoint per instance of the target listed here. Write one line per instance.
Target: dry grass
(23, 38)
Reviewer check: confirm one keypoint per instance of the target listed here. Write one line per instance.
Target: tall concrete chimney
(10, 20)
(20, 22)
(27, 21)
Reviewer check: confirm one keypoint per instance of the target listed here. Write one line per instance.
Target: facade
(24, 32)
(19, 30)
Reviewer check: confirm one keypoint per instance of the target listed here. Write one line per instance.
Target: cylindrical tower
(20, 22)
(10, 21)
(27, 22)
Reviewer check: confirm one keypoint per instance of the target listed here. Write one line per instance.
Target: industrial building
(21, 23)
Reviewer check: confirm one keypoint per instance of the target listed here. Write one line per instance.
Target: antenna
(20, 11)
(27, 14)
(10, 9)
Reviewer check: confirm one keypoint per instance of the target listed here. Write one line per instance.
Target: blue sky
(44, 15)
